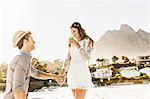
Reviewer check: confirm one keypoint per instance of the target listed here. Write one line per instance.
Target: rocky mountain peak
(125, 27)
(123, 42)
(141, 31)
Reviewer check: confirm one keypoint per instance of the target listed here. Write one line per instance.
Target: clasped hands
(60, 79)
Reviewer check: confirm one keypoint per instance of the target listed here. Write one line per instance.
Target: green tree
(125, 59)
(115, 59)
(101, 61)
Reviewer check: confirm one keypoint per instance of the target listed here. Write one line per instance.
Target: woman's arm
(85, 49)
(65, 64)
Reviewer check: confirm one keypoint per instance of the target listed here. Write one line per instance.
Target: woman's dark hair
(81, 31)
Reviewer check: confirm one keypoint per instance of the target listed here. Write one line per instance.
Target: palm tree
(125, 59)
(100, 61)
(114, 59)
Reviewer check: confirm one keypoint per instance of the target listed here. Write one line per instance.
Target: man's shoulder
(20, 58)
(19, 61)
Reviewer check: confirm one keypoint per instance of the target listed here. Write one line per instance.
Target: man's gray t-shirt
(18, 75)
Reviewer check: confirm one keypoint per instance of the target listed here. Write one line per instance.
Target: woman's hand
(72, 41)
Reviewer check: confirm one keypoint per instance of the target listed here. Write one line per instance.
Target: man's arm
(42, 75)
(20, 95)
(35, 73)
(19, 77)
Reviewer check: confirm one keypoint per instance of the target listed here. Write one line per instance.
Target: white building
(102, 62)
(143, 59)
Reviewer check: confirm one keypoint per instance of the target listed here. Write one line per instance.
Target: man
(20, 70)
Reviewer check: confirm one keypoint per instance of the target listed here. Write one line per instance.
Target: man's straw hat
(18, 36)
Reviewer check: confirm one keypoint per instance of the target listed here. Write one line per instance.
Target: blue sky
(49, 21)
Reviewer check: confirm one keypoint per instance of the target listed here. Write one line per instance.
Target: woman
(78, 76)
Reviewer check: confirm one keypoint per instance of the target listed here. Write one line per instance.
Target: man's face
(31, 43)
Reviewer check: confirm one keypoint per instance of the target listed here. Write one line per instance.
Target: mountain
(123, 42)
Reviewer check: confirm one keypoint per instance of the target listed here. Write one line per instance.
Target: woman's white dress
(78, 75)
